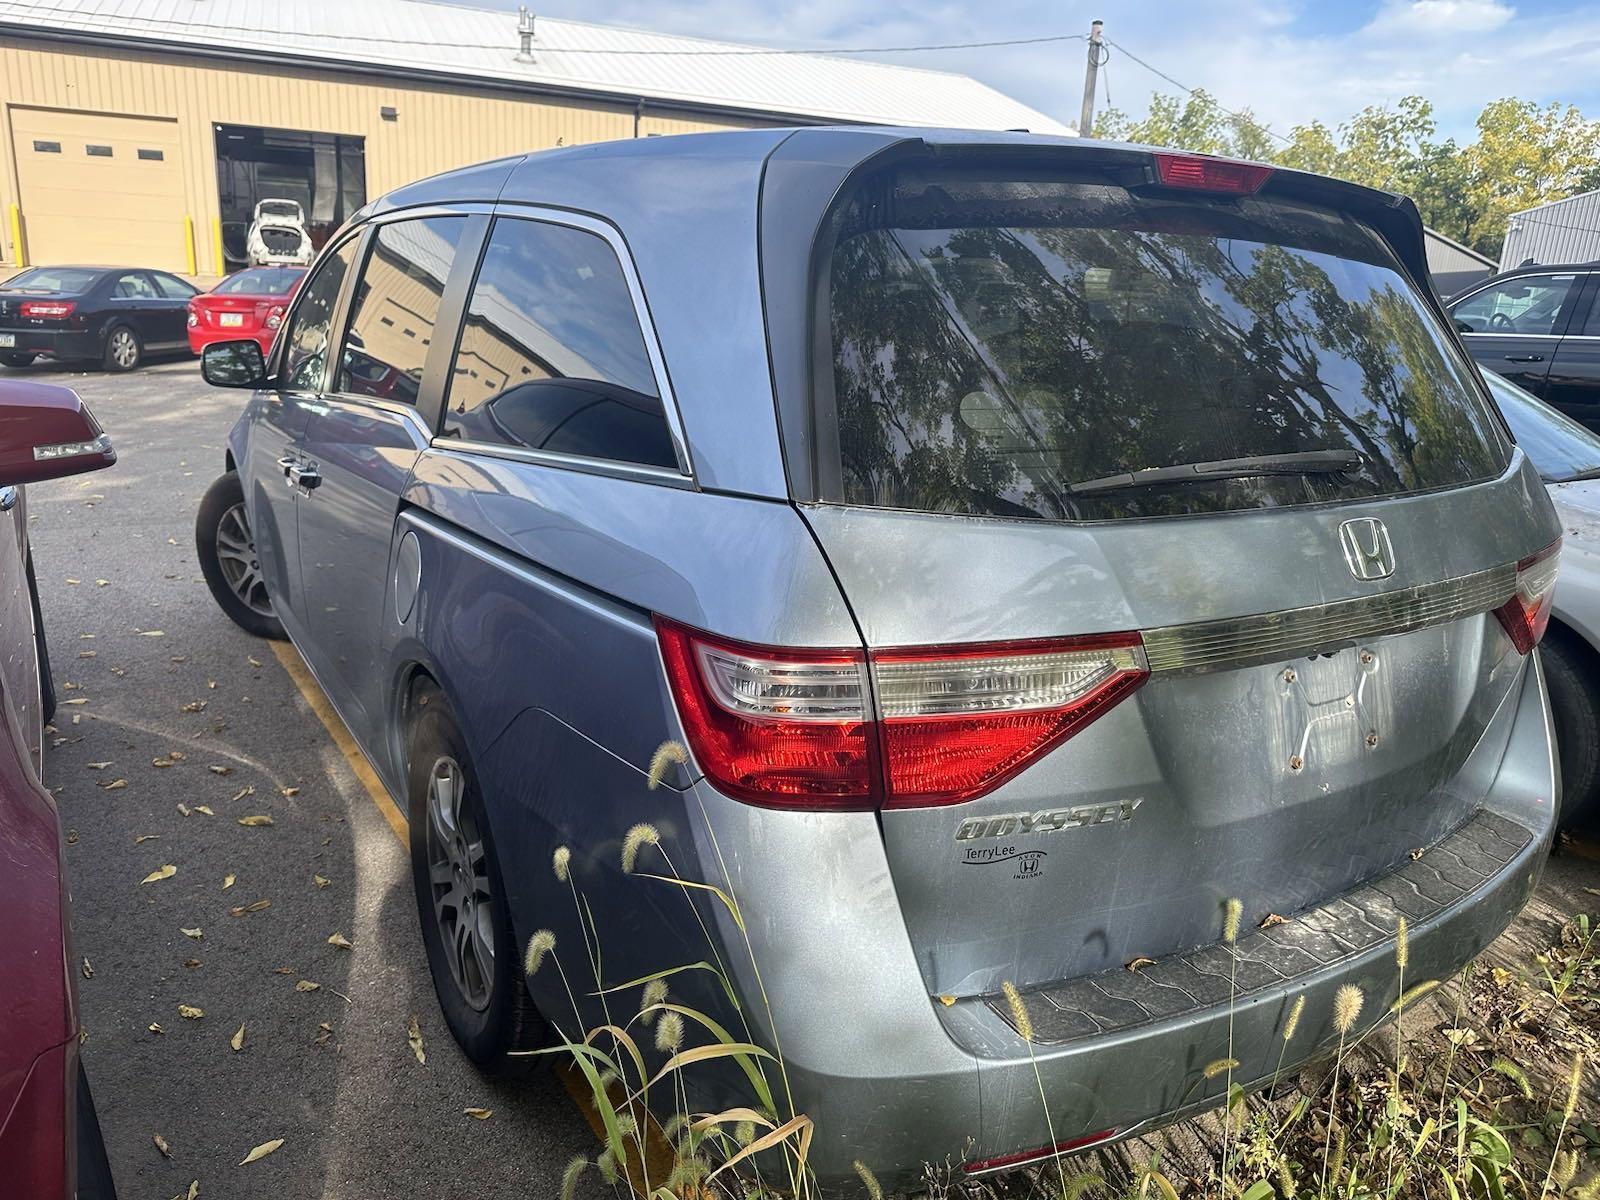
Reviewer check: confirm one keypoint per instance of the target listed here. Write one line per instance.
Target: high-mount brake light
(49, 309)
(1197, 172)
(1527, 614)
(801, 728)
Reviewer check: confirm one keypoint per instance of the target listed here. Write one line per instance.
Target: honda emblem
(1367, 549)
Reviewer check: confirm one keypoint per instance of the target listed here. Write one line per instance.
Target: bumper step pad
(1310, 941)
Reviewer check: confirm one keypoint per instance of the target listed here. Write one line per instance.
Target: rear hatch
(1200, 469)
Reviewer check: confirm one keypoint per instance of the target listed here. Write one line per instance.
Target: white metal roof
(479, 43)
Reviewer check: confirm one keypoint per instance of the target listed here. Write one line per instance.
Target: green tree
(1197, 124)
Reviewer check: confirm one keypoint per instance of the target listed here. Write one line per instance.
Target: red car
(50, 1145)
(247, 304)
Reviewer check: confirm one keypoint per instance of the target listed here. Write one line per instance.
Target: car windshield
(996, 344)
(1560, 449)
(259, 281)
(52, 279)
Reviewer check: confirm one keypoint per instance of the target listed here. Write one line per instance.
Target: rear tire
(123, 350)
(1569, 673)
(17, 360)
(228, 559)
(472, 950)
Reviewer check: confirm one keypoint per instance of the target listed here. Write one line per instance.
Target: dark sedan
(114, 316)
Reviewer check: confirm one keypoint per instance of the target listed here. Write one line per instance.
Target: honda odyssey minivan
(1036, 544)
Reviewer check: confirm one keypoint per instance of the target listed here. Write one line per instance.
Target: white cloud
(1439, 18)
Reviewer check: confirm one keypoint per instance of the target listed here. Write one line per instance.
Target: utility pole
(1090, 77)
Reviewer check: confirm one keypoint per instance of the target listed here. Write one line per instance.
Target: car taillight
(1001, 1162)
(1527, 614)
(48, 308)
(1197, 172)
(275, 317)
(194, 318)
(939, 724)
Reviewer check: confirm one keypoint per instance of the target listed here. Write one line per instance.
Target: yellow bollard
(216, 237)
(16, 235)
(188, 241)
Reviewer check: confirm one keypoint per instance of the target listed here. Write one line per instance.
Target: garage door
(100, 189)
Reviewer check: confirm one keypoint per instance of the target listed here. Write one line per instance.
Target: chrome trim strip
(637, 472)
(1263, 637)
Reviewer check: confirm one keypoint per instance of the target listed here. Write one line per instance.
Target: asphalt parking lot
(174, 726)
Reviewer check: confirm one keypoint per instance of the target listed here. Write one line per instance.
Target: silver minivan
(1036, 544)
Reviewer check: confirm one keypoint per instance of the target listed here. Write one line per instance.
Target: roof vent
(525, 33)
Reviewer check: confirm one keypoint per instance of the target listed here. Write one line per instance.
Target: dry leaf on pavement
(193, 1192)
(160, 873)
(113, 785)
(334, 939)
(217, 770)
(196, 934)
(99, 766)
(261, 1151)
(237, 1040)
(253, 906)
(227, 880)
(161, 1145)
(88, 969)
(155, 1027)
(204, 808)
(190, 1013)
(320, 882)
(183, 808)
(305, 985)
(193, 706)
(479, 1114)
(256, 820)
(146, 837)
(288, 791)
(414, 1037)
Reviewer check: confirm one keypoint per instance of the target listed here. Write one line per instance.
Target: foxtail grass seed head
(1286, 1184)
(1231, 913)
(569, 1177)
(1019, 1011)
(667, 754)
(669, 1033)
(559, 861)
(1336, 1159)
(539, 945)
(1346, 1007)
(628, 1125)
(1564, 1168)
(654, 993)
(868, 1179)
(1402, 945)
(745, 1132)
(639, 836)
(606, 1163)
(1221, 1067)
(1293, 1022)
(1574, 1081)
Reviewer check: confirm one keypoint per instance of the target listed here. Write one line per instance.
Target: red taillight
(48, 308)
(940, 724)
(1001, 1161)
(1527, 614)
(1199, 173)
(275, 316)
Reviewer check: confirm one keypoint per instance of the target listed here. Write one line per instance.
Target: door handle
(305, 476)
(288, 462)
(1524, 358)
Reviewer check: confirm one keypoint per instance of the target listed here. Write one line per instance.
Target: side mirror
(46, 432)
(236, 364)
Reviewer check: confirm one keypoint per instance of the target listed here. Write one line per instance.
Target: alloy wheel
(241, 566)
(458, 873)
(124, 349)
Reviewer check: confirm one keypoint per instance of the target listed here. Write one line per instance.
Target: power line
(1195, 93)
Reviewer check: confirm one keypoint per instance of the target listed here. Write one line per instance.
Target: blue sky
(1288, 60)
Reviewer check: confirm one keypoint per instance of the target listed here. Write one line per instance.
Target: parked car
(1035, 543)
(1567, 457)
(110, 315)
(50, 1144)
(248, 303)
(1539, 327)
(277, 235)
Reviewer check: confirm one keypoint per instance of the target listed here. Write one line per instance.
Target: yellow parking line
(318, 700)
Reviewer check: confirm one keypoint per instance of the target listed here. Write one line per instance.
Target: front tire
(1569, 670)
(229, 560)
(473, 954)
(123, 350)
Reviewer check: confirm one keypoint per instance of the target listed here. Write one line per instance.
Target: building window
(152, 155)
(47, 147)
(97, 151)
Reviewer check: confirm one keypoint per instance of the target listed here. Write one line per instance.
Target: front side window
(395, 306)
(172, 287)
(306, 342)
(1034, 348)
(551, 355)
(1537, 304)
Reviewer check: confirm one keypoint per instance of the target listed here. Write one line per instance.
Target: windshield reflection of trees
(985, 369)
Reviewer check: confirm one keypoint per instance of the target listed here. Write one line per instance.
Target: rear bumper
(199, 339)
(58, 343)
(958, 1082)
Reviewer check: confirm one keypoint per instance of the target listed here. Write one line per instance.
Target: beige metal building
(144, 131)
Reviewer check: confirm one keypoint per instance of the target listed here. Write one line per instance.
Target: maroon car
(50, 1147)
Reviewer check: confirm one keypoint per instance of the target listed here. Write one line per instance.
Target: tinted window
(260, 281)
(1591, 327)
(551, 356)
(53, 279)
(998, 346)
(1531, 305)
(133, 286)
(396, 303)
(307, 340)
(1560, 449)
(172, 287)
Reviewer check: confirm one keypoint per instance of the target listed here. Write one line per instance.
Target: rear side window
(551, 355)
(395, 306)
(306, 343)
(1034, 348)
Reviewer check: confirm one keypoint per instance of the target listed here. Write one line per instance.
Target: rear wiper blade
(1312, 462)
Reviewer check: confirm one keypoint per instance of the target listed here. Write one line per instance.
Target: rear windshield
(53, 279)
(260, 281)
(1027, 348)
